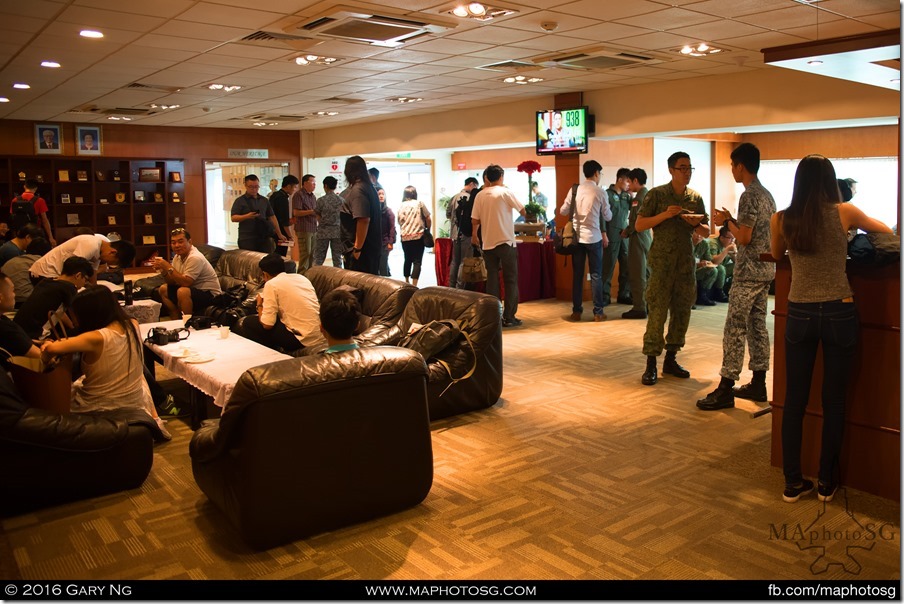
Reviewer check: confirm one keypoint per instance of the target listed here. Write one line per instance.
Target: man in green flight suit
(638, 247)
(706, 270)
(673, 211)
(617, 250)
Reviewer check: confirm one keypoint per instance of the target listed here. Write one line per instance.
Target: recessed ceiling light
(156, 106)
(315, 59)
(21, 86)
(3, 99)
(49, 64)
(814, 63)
(404, 99)
(224, 87)
(266, 123)
(476, 8)
(325, 113)
(479, 11)
(117, 118)
(90, 33)
(520, 79)
(460, 11)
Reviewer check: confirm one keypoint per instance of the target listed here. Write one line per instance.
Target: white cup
(224, 332)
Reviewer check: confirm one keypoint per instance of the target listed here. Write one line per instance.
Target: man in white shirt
(590, 209)
(492, 216)
(288, 312)
(191, 282)
(94, 250)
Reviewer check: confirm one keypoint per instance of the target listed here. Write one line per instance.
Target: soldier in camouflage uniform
(722, 249)
(672, 286)
(617, 250)
(638, 247)
(746, 318)
(705, 272)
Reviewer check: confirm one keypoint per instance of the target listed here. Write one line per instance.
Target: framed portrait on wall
(88, 140)
(48, 139)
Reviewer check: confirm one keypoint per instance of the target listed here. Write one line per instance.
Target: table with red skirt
(536, 269)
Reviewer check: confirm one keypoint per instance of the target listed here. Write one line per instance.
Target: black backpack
(22, 213)
(463, 213)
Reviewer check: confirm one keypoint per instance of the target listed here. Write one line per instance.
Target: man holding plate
(673, 211)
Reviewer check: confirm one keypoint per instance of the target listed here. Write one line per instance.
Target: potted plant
(533, 211)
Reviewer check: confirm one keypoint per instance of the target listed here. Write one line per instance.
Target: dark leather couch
(237, 268)
(311, 444)
(382, 301)
(50, 459)
(479, 317)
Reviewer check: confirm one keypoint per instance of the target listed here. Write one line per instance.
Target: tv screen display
(562, 131)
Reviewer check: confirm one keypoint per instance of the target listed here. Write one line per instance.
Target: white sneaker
(161, 423)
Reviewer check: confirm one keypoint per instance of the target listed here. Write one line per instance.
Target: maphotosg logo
(833, 540)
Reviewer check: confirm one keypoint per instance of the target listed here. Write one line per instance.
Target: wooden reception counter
(871, 454)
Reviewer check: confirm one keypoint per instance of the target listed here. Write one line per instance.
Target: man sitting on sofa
(191, 282)
(339, 316)
(287, 311)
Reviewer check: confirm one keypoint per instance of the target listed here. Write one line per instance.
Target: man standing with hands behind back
(673, 286)
(304, 204)
(257, 222)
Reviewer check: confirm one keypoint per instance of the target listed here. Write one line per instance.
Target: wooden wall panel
(194, 145)
(874, 141)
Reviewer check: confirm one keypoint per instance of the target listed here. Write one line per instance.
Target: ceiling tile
(707, 32)
(217, 14)
(657, 41)
(532, 22)
(236, 49)
(448, 47)
(18, 23)
(860, 8)
(889, 20)
(610, 11)
(496, 35)
(172, 43)
(670, 18)
(608, 31)
(106, 19)
(736, 8)
(758, 42)
(786, 18)
(835, 29)
(167, 9)
(202, 31)
(554, 43)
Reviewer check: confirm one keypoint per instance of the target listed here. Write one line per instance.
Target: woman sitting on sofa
(111, 356)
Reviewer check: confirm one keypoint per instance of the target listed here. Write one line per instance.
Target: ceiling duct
(597, 58)
(506, 66)
(355, 25)
(272, 39)
(266, 117)
(128, 111)
(140, 86)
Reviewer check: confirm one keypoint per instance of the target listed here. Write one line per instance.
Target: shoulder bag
(567, 239)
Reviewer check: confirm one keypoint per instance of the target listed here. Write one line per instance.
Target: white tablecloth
(215, 378)
(146, 311)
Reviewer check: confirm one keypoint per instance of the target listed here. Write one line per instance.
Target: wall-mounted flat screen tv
(562, 131)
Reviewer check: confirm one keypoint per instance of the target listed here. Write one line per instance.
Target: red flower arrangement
(529, 167)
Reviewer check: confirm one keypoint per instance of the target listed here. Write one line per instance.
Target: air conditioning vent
(341, 99)
(266, 117)
(352, 24)
(598, 58)
(275, 39)
(95, 110)
(509, 66)
(140, 86)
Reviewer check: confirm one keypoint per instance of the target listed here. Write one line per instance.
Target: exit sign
(403, 156)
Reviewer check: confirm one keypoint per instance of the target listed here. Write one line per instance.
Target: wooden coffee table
(212, 380)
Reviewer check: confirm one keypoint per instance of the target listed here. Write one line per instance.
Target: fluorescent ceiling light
(3, 99)
(53, 64)
(21, 86)
(90, 33)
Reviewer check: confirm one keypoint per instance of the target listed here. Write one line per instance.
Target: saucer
(200, 358)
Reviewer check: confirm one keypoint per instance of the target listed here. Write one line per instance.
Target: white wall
(701, 160)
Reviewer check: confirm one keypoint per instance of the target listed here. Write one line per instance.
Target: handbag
(473, 269)
(567, 239)
(437, 336)
(428, 239)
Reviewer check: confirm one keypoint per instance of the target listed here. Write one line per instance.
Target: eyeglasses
(179, 231)
(685, 169)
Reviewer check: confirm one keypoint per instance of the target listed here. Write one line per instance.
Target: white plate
(179, 353)
(200, 358)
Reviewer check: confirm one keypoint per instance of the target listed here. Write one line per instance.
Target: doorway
(224, 181)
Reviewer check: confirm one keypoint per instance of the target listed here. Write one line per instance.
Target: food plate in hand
(693, 219)
(201, 357)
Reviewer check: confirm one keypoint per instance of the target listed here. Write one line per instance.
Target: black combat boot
(703, 297)
(671, 366)
(716, 294)
(720, 398)
(755, 390)
(650, 376)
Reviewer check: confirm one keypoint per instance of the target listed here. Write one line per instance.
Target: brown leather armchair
(50, 459)
(478, 316)
(311, 444)
(382, 301)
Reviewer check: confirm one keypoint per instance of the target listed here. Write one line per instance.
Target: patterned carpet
(579, 472)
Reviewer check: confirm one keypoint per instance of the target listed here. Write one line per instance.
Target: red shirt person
(40, 207)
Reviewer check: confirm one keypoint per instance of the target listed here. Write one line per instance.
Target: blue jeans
(834, 324)
(593, 252)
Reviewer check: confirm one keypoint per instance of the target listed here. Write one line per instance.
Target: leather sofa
(478, 316)
(237, 268)
(50, 459)
(382, 301)
(312, 444)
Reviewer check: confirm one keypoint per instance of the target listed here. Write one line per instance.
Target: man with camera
(191, 281)
(288, 313)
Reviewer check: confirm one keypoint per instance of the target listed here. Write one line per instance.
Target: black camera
(162, 336)
(199, 322)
